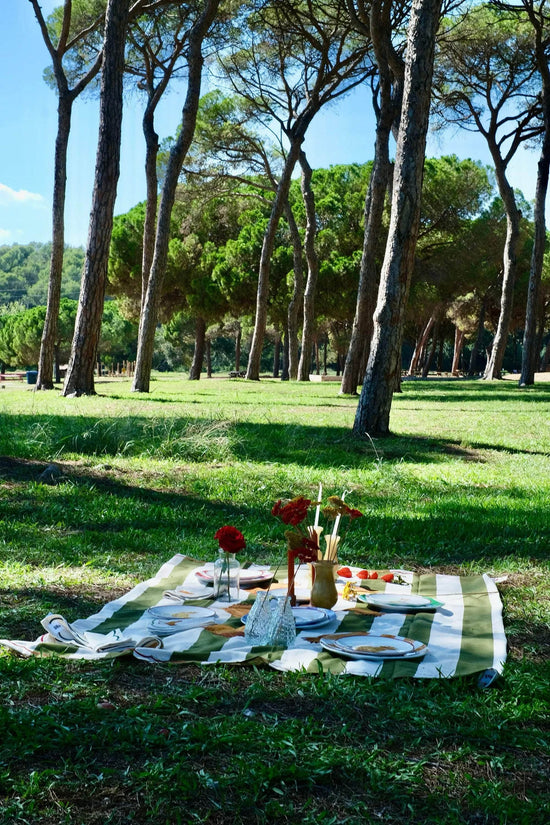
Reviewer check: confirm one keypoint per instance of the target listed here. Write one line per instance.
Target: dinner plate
(165, 627)
(399, 603)
(372, 646)
(248, 577)
(184, 612)
(328, 616)
(308, 616)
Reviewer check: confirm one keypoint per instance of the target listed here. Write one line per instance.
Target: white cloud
(5, 235)
(20, 196)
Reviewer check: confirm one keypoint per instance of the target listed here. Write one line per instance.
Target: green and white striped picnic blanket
(464, 636)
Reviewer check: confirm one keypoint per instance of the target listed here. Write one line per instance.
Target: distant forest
(25, 270)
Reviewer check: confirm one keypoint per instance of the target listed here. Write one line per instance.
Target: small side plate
(399, 603)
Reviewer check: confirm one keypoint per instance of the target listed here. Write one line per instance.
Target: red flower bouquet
(303, 539)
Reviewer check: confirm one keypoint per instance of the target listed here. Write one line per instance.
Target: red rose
(230, 539)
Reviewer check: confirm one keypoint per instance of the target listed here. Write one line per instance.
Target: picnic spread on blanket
(400, 624)
(323, 617)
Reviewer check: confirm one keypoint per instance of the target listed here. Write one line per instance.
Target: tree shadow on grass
(22, 608)
(119, 526)
(474, 392)
(335, 446)
(196, 439)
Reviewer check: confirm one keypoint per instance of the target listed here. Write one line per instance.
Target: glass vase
(226, 577)
(323, 592)
(270, 621)
(258, 620)
(282, 627)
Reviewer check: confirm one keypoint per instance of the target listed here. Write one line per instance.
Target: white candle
(318, 508)
(337, 520)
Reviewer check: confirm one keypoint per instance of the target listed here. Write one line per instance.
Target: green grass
(462, 485)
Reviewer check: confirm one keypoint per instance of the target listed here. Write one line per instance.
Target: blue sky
(342, 134)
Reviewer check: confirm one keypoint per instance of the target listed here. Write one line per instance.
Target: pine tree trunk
(387, 113)
(476, 347)
(80, 372)
(57, 366)
(530, 354)
(459, 344)
(384, 365)
(238, 339)
(198, 354)
(531, 341)
(44, 380)
(430, 355)
(149, 313)
(262, 294)
(285, 374)
(493, 369)
(208, 358)
(276, 356)
(296, 301)
(151, 183)
(308, 326)
(541, 326)
(66, 98)
(420, 347)
(316, 356)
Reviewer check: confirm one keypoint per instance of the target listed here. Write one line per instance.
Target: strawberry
(345, 572)
(387, 577)
(363, 574)
(373, 575)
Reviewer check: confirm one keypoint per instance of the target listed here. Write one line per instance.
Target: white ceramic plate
(165, 627)
(247, 577)
(179, 613)
(396, 603)
(372, 646)
(308, 618)
(305, 616)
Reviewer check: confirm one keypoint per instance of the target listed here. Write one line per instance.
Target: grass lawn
(462, 485)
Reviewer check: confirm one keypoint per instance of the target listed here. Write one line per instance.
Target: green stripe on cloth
(477, 649)
(133, 608)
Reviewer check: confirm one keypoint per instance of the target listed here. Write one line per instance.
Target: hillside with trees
(25, 270)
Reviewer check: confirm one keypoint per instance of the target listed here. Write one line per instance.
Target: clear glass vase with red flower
(227, 568)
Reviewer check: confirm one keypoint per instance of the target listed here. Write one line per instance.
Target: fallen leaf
(238, 610)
